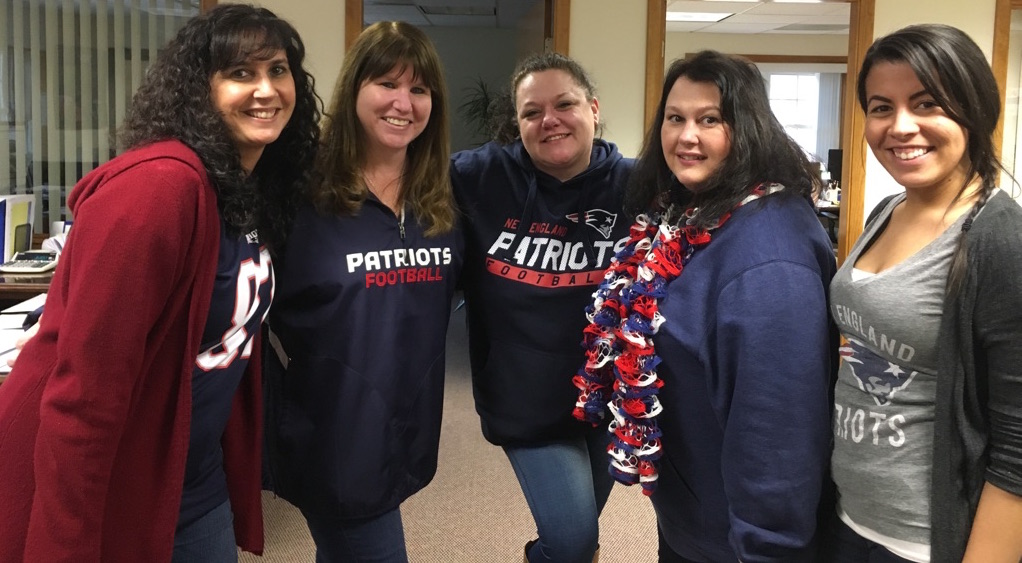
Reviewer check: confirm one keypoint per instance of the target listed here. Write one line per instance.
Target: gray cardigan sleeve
(998, 334)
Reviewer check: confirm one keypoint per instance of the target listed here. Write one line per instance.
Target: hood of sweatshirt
(171, 149)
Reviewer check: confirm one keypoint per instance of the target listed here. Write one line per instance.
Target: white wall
(321, 25)
(608, 37)
(677, 44)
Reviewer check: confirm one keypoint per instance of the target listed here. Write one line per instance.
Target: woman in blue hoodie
(542, 221)
(710, 337)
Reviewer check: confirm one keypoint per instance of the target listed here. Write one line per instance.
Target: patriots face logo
(877, 376)
(599, 219)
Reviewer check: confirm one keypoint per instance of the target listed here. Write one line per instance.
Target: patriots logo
(877, 376)
(599, 219)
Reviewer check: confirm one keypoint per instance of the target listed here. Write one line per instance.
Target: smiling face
(255, 99)
(557, 122)
(910, 134)
(393, 109)
(694, 137)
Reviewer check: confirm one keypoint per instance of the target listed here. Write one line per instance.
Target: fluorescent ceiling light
(458, 10)
(696, 16)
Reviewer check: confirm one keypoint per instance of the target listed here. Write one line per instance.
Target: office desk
(15, 288)
(828, 212)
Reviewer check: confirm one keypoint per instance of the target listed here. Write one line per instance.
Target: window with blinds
(68, 69)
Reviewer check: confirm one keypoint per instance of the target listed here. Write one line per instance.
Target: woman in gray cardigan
(928, 404)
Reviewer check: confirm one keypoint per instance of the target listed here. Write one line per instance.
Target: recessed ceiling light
(696, 16)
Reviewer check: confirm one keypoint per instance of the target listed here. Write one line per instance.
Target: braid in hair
(960, 259)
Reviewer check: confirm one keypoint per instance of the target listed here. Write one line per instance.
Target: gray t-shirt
(886, 388)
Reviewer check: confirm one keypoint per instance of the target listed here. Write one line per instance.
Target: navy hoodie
(535, 250)
(748, 370)
(361, 310)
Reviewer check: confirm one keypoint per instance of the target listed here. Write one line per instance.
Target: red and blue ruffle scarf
(620, 371)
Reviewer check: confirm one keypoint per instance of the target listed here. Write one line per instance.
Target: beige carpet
(473, 511)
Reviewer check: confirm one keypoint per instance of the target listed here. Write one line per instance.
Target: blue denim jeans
(667, 555)
(209, 539)
(566, 484)
(842, 545)
(380, 539)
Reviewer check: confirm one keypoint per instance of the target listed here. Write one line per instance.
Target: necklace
(621, 362)
(380, 195)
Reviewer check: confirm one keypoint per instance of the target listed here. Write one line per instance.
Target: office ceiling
(802, 17)
(456, 13)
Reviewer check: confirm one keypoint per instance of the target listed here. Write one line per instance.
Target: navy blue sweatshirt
(361, 311)
(747, 367)
(535, 250)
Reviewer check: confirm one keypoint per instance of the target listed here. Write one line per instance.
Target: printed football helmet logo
(877, 376)
(602, 221)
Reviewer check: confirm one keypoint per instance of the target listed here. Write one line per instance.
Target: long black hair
(761, 150)
(174, 102)
(952, 69)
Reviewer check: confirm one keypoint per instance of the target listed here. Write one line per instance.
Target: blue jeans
(842, 545)
(667, 555)
(209, 539)
(380, 539)
(566, 484)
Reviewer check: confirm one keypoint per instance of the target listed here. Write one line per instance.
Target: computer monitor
(834, 164)
(22, 237)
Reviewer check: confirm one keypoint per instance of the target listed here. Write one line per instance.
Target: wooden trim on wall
(999, 61)
(656, 34)
(206, 5)
(352, 22)
(853, 169)
(560, 16)
(806, 59)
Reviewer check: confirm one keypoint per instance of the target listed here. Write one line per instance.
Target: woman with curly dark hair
(363, 302)
(130, 426)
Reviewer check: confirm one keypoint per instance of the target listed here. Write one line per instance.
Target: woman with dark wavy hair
(929, 302)
(710, 338)
(363, 303)
(130, 425)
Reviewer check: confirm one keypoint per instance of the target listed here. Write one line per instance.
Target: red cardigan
(94, 419)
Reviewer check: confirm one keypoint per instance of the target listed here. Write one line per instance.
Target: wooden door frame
(999, 59)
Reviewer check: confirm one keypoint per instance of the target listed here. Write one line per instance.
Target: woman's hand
(22, 340)
(995, 530)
